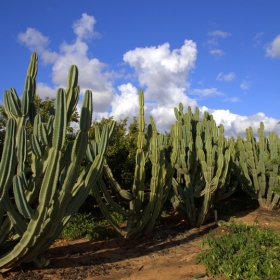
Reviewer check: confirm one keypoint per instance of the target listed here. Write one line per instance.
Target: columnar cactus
(259, 161)
(47, 199)
(203, 158)
(145, 203)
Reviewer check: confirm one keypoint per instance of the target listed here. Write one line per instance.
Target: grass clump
(242, 251)
(87, 226)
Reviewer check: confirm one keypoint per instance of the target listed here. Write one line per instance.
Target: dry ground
(168, 253)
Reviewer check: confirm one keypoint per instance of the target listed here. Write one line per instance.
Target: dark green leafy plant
(242, 251)
(87, 226)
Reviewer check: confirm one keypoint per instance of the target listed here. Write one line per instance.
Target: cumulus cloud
(245, 85)
(36, 42)
(162, 71)
(93, 74)
(236, 124)
(126, 103)
(273, 48)
(226, 77)
(44, 91)
(84, 27)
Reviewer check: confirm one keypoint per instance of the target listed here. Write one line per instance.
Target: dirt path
(168, 253)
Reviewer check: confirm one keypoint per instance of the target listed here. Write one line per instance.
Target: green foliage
(242, 251)
(122, 149)
(87, 226)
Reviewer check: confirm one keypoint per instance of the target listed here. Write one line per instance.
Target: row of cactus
(35, 208)
(203, 164)
(192, 167)
(143, 203)
(196, 167)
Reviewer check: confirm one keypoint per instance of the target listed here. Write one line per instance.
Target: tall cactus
(259, 161)
(145, 203)
(46, 200)
(203, 158)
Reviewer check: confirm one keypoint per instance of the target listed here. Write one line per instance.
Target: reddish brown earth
(168, 253)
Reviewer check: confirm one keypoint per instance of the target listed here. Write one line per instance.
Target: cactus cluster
(259, 162)
(192, 167)
(44, 200)
(203, 162)
(145, 202)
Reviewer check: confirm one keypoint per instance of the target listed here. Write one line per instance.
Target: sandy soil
(169, 252)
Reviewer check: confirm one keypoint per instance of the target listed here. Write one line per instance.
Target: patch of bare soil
(169, 252)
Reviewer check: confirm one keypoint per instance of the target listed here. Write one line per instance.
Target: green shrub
(87, 226)
(240, 251)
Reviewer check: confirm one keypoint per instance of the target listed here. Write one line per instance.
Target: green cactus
(46, 200)
(145, 203)
(203, 159)
(259, 163)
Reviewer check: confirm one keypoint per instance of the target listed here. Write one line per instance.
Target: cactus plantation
(46, 179)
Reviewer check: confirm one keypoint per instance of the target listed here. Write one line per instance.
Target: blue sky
(222, 56)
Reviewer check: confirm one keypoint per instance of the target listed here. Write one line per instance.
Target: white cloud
(163, 72)
(233, 99)
(213, 42)
(245, 85)
(37, 42)
(273, 48)
(84, 27)
(226, 77)
(44, 91)
(236, 124)
(93, 74)
(257, 39)
(219, 33)
(126, 103)
(206, 92)
(217, 52)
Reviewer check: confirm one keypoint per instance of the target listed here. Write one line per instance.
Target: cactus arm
(8, 162)
(20, 198)
(72, 91)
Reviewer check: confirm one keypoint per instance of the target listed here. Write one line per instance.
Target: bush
(241, 251)
(86, 226)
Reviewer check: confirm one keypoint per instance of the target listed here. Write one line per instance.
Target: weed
(242, 251)
(86, 226)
